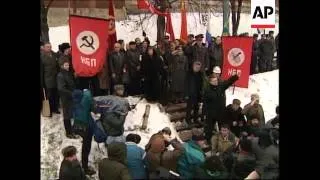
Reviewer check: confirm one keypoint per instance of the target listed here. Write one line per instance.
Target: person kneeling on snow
(113, 120)
(158, 157)
(115, 166)
(70, 167)
(83, 124)
(135, 157)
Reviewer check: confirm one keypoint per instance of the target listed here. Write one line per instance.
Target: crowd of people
(242, 146)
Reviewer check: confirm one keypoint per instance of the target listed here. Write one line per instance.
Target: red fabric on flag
(169, 28)
(143, 4)
(184, 29)
(237, 57)
(112, 26)
(88, 39)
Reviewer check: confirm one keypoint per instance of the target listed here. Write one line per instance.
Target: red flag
(89, 44)
(169, 28)
(112, 26)
(143, 4)
(184, 29)
(237, 57)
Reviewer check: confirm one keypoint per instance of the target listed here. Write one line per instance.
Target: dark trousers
(67, 113)
(67, 126)
(253, 64)
(209, 127)
(52, 95)
(263, 64)
(91, 83)
(134, 86)
(192, 104)
(86, 148)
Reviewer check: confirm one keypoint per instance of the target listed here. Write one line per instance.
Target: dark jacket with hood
(71, 171)
(214, 98)
(115, 166)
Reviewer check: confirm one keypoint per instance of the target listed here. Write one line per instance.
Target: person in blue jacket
(135, 157)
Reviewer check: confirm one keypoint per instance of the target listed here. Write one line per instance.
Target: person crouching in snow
(70, 167)
(66, 85)
(113, 120)
(214, 102)
(158, 156)
(135, 157)
(83, 106)
(115, 166)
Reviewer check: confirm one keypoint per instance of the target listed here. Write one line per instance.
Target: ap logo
(263, 14)
(87, 42)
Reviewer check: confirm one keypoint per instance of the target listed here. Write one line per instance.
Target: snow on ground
(53, 138)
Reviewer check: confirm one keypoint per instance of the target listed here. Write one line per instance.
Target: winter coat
(193, 84)
(188, 52)
(115, 166)
(243, 166)
(221, 145)
(266, 48)
(217, 55)
(178, 69)
(158, 157)
(116, 63)
(192, 157)
(200, 53)
(104, 76)
(71, 171)
(66, 85)
(114, 119)
(85, 100)
(254, 111)
(50, 67)
(136, 161)
(133, 59)
(230, 115)
(214, 98)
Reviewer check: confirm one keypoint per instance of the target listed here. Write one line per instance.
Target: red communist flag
(237, 57)
(88, 39)
(169, 28)
(184, 29)
(143, 4)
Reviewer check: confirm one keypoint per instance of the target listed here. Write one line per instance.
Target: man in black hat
(200, 53)
(133, 60)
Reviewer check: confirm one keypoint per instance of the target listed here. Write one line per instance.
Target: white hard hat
(217, 70)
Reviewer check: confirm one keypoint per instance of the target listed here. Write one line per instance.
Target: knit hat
(63, 47)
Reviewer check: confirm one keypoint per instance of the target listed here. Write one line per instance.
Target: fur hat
(63, 47)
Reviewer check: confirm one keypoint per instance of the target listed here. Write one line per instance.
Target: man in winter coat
(233, 115)
(274, 123)
(266, 49)
(83, 124)
(217, 53)
(200, 53)
(255, 54)
(50, 67)
(223, 140)
(214, 102)
(158, 156)
(245, 162)
(114, 119)
(70, 167)
(178, 69)
(188, 50)
(115, 166)
(65, 87)
(116, 64)
(193, 89)
(254, 109)
(135, 157)
(134, 68)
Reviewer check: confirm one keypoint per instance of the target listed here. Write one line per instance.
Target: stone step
(176, 107)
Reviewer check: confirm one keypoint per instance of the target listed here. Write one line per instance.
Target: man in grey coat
(200, 53)
(116, 64)
(50, 70)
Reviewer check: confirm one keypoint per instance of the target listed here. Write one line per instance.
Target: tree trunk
(161, 20)
(235, 15)
(44, 22)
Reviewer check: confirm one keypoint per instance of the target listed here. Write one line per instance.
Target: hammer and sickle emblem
(87, 43)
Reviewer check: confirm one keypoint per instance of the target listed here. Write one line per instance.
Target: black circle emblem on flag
(236, 57)
(87, 42)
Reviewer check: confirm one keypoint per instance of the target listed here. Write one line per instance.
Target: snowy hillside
(128, 30)
(53, 136)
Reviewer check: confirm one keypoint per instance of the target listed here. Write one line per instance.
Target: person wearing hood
(83, 124)
(159, 156)
(254, 109)
(136, 157)
(214, 102)
(115, 166)
(178, 69)
(66, 86)
(70, 167)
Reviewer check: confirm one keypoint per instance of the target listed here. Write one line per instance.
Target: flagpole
(234, 85)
